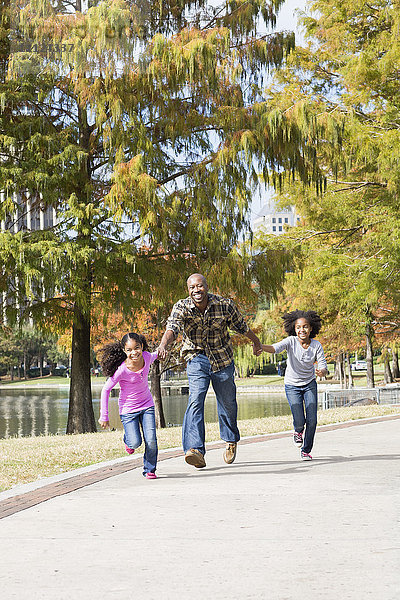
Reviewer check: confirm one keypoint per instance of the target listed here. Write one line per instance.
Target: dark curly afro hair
(113, 355)
(289, 321)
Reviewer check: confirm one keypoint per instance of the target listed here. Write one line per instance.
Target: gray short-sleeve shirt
(300, 362)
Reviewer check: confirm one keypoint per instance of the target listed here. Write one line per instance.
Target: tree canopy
(143, 127)
(342, 88)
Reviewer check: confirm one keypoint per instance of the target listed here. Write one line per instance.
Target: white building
(29, 215)
(274, 221)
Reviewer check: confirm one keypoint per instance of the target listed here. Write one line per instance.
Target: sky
(287, 20)
(287, 17)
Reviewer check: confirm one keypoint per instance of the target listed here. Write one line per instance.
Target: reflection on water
(249, 407)
(32, 413)
(27, 412)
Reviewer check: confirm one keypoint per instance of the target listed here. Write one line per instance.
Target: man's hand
(162, 352)
(257, 348)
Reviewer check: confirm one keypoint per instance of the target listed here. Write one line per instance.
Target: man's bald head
(198, 276)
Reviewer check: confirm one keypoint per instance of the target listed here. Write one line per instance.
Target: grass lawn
(35, 381)
(259, 380)
(27, 459)
(49, 380)
(44, 381)
(359, 378)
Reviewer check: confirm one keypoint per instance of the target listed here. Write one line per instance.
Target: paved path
(267, 527)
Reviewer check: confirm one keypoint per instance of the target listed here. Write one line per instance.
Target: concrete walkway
(267, 527)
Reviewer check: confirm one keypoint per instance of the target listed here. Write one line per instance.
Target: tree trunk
(80, 416)
(343, 361)
(155, 385)
(339, 369)
(387, 374)
(41, 360)
(369, 357)
(25, 369)
(395, 365)
(351, 382)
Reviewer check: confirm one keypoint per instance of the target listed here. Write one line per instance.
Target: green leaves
(145, 132)
(340, 93)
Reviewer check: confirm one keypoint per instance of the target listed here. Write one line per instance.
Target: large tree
(342, 91)
(142, 125)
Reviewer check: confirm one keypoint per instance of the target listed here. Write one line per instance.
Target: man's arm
(257, 347)
(175, 324)
(166, 340)
(238, 324)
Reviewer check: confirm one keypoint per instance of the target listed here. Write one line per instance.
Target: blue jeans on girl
(200, 376)
(300, 397)
(145, 420)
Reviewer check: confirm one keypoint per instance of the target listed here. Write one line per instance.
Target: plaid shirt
(207, 333)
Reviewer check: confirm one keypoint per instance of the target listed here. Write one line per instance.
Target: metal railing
(354, 397)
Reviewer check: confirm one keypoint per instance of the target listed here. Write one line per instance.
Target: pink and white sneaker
(151, 476)
(129, 450)
(305, 456)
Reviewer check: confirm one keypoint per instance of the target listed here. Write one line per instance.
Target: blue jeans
(145, 420)
(300, 396)
(223, 381)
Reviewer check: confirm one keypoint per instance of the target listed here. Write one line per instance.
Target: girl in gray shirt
(303, 351)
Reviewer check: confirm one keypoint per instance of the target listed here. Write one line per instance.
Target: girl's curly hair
(289, 321)
(113, 355)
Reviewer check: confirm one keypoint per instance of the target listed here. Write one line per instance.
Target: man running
(204, 319)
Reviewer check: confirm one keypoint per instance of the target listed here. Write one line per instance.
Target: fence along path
(360, 396)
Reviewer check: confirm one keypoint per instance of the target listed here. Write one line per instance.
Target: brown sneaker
(196, 458)
(230, 452)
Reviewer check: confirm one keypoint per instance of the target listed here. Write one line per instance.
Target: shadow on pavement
(253, 468)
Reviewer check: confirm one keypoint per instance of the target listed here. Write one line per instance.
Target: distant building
(28, 215)
(274, 221)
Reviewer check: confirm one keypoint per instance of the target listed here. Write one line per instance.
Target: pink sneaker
(305, 456)
(129, 450)
(151, 476)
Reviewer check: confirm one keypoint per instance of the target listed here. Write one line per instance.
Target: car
(60, 371)
(35, 371)
(359, 365)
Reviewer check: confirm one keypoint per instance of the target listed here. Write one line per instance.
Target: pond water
(43, 412)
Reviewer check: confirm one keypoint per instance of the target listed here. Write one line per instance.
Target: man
(204, 318)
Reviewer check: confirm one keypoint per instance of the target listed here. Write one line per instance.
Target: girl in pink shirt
(127, 362)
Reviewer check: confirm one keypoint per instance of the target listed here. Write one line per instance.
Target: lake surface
(43, 412)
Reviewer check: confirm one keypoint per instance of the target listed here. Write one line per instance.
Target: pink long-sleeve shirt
(134, 392)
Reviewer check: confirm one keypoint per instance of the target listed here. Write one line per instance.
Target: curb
(95, 474)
